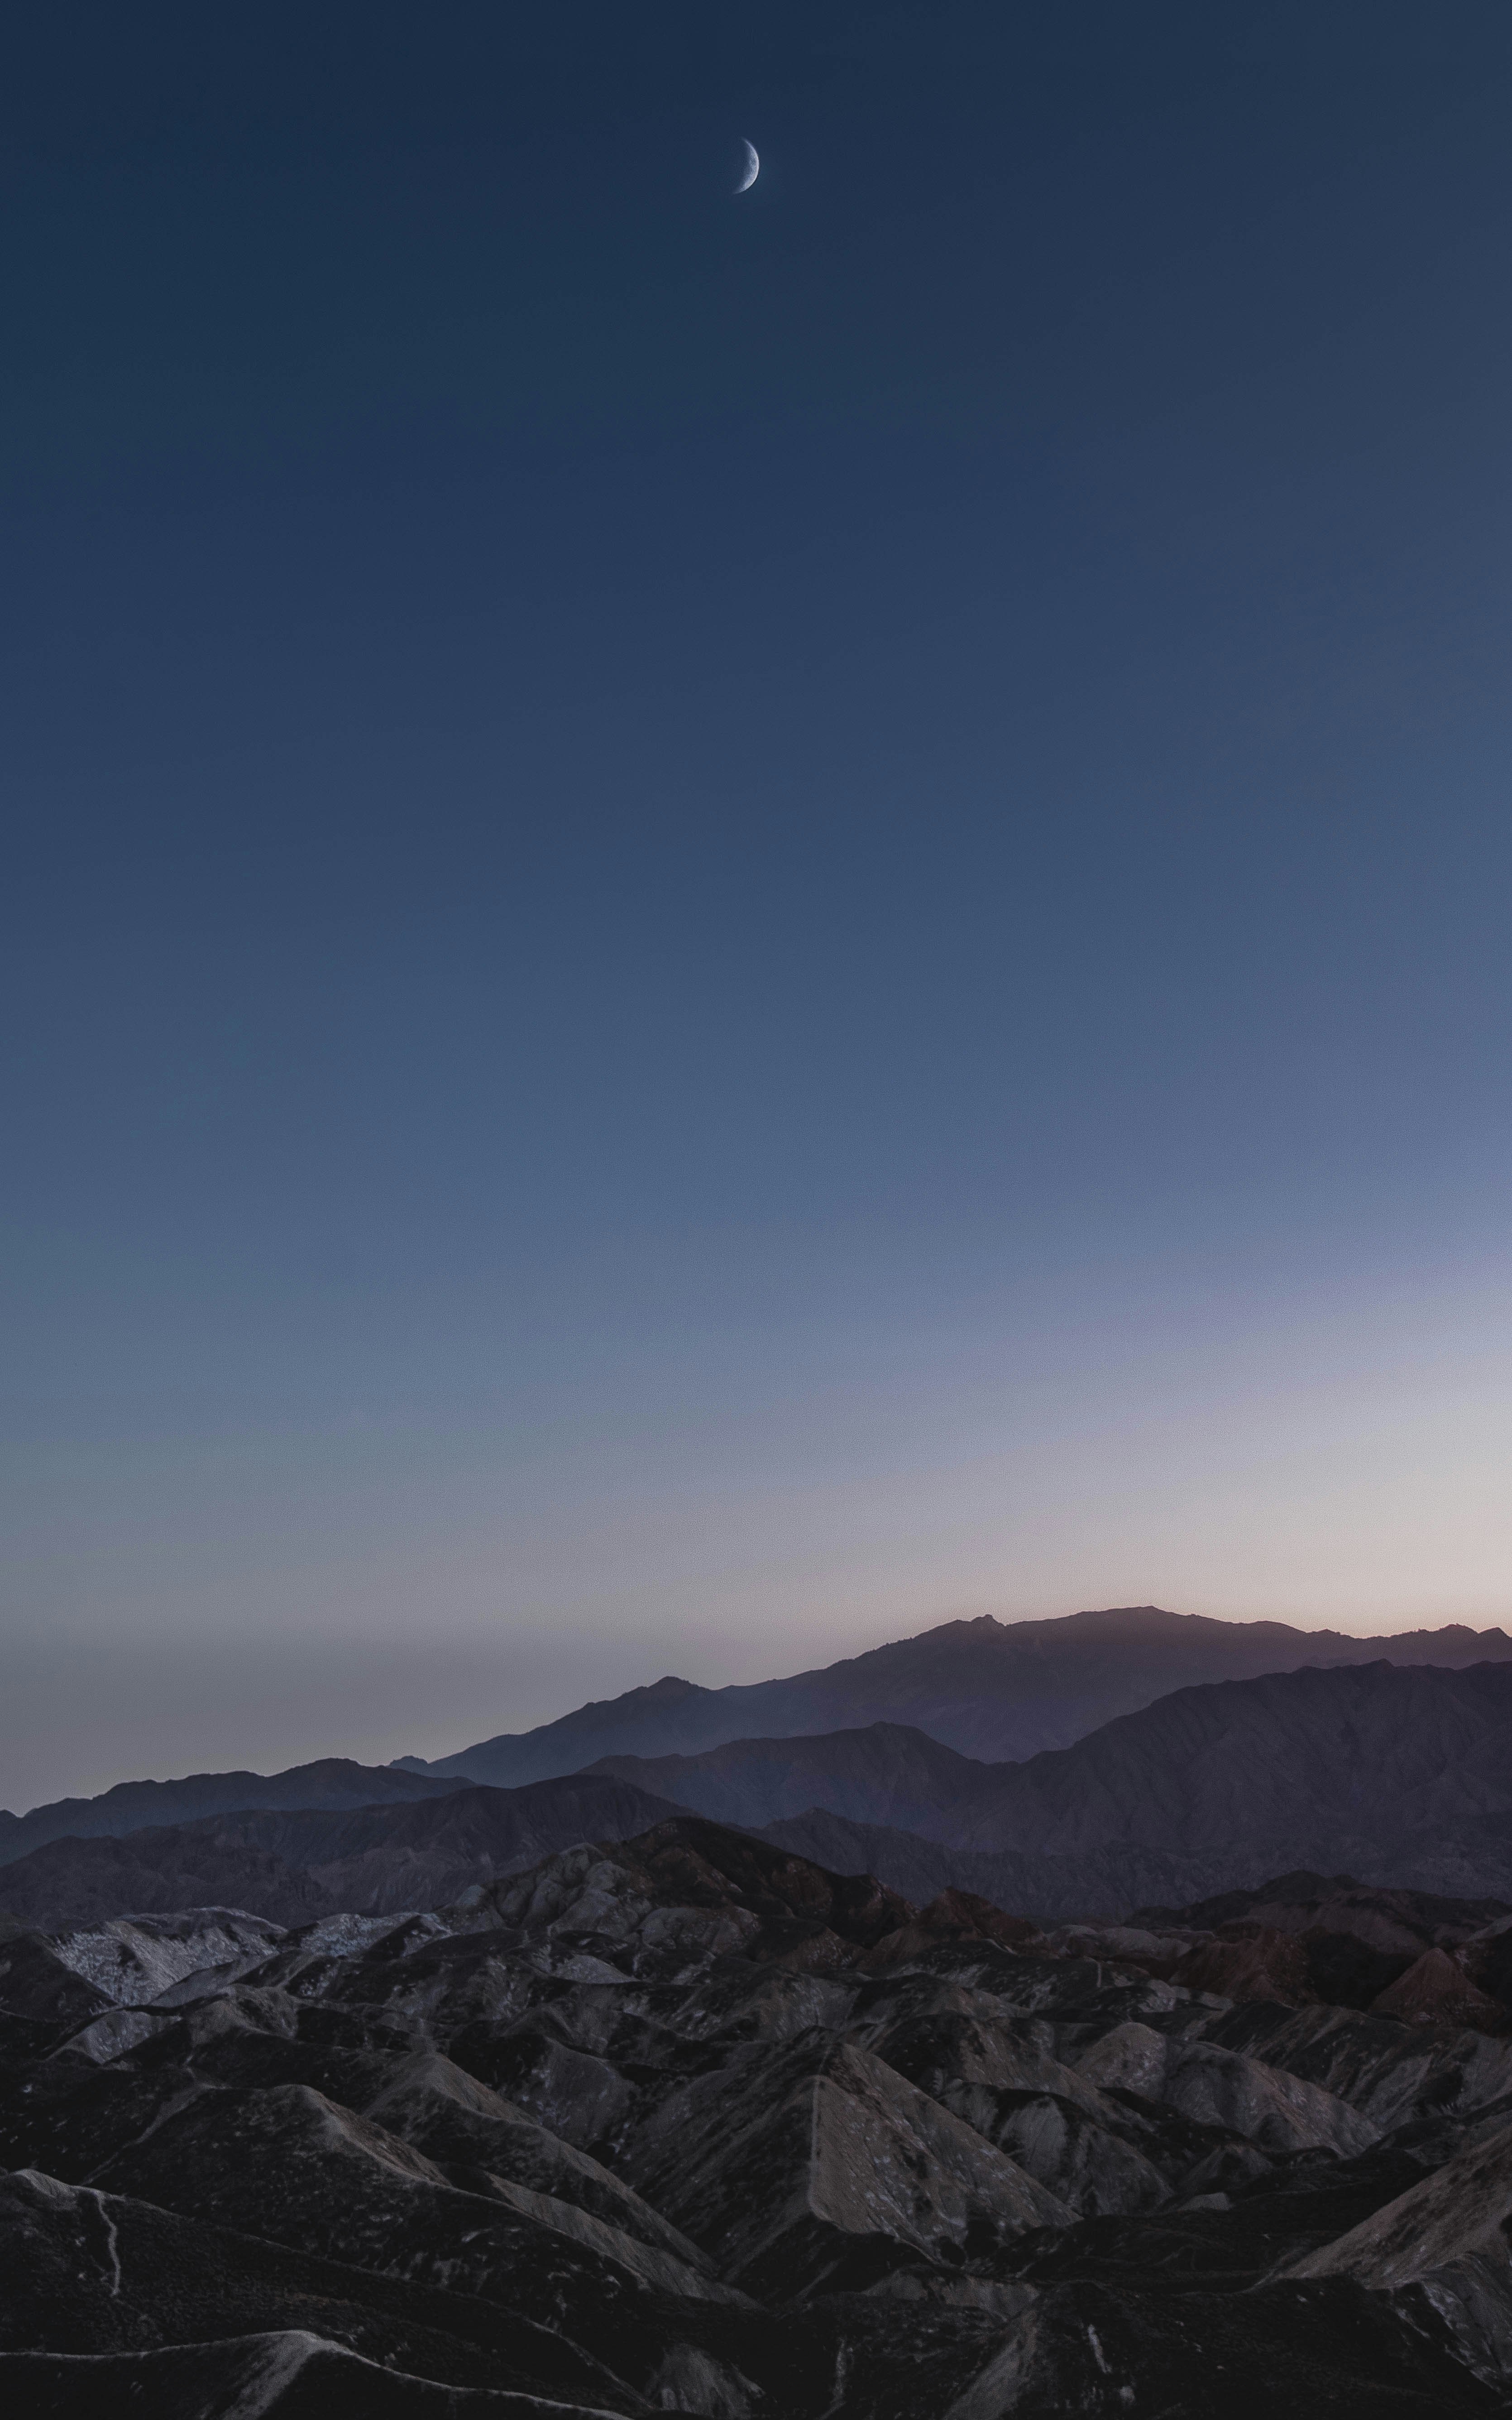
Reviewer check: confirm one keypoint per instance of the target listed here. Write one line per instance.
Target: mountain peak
(990, 1689)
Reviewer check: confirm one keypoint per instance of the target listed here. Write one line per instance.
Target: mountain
(1355, 1769)
(1401, 1775)
(688, 2123)
(1387, 1919)
(294, 1867)
(132, 1806)
(887, 1774)
(987, 1688)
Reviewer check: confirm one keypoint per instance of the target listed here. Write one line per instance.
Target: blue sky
(730, 925)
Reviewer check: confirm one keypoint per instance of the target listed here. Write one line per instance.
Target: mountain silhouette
(989, 1689)
(332, 1781)
(1400, 1776)
(1399, 1773)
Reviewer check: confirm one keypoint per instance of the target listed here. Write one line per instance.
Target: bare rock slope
(689, 2123)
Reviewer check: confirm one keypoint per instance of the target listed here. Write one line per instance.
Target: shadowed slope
(1401, 1775)
(886, 1774)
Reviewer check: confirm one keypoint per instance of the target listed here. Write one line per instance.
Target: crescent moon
(753, 169)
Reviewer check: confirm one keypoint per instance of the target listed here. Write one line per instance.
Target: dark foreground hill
(333, 1781)
(688, 2124)
(990, 1689)
(1402, 1774)
(294, 1867)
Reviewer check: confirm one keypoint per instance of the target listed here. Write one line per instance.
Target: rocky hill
(1051, 1890)
(690, 2124)
(989, 1689)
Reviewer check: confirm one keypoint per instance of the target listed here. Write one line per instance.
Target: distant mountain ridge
(1399, 1775)
(988, 1689)
(295, 1864)
(332, 1781)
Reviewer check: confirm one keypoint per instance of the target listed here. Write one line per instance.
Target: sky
(731, 923)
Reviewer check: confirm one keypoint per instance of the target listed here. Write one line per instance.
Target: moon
(753, 169)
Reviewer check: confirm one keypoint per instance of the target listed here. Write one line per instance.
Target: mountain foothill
(1105, 2015)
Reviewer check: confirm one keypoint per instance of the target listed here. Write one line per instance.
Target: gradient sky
(727, 925)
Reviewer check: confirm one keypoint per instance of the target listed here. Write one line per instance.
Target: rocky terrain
(688, 2123)
(992, 1690)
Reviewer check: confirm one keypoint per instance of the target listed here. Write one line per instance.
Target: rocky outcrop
(133, 1960)
(1446, 2240)
(812, 2166)
(1276, 2111)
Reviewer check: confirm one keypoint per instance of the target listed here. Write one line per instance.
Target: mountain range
(1401, 1775)
(839, 2073)
(333, 1781)
(989, 1689)
(1404, 1774)
(295, 1864)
